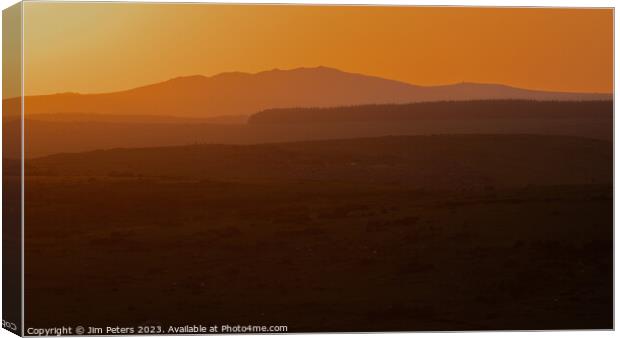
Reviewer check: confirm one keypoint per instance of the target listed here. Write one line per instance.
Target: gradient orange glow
(102, 47)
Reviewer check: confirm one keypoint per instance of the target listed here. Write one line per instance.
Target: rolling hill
(47, 134)
(441, 110)
(446, 161)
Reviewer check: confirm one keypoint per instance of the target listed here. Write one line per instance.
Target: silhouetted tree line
(478, 109)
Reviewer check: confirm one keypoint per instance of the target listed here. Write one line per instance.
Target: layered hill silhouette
(238, 93)
(47, 134)
(441, 110)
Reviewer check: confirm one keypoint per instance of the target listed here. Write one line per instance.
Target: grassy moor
(393, 233)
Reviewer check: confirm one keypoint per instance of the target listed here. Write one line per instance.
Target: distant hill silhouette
(441, 110)
(243, 94)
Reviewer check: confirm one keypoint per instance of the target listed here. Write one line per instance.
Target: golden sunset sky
(102, 47)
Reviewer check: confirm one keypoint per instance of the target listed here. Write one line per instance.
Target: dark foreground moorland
(389, 233)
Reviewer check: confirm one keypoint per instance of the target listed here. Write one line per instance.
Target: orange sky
(100, 47)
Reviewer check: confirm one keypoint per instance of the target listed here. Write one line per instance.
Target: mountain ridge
(238, 93)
